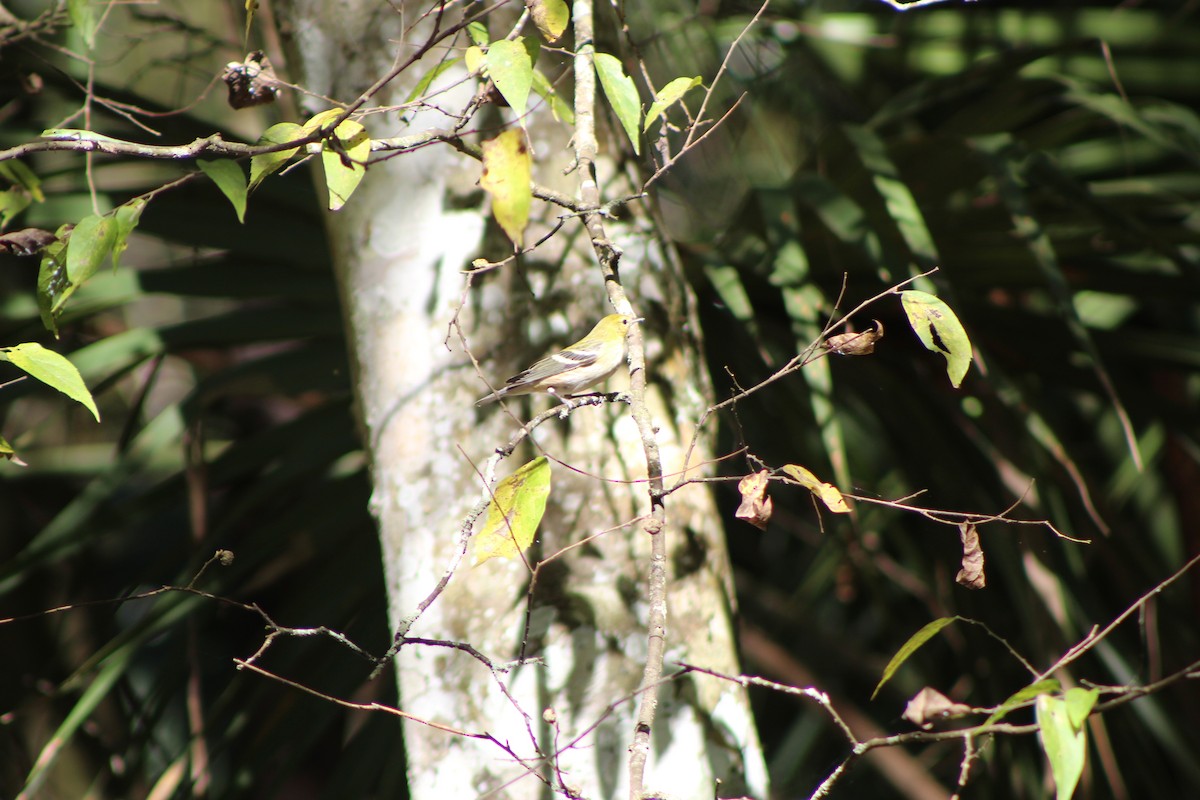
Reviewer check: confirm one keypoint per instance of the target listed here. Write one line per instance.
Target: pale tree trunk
(567, 712)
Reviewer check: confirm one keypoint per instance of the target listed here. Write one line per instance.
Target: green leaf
(668, 96)
(474, 59)
(508, 178)
(53, 287)
(728, 285)
(1080, 703)
(901, 205)
(428, 78)
(8, 453)
(96, 692)
(125, 219)
(939, 330)
(550, 17)
(842, 215)
(622, 96)
(1021, 697)
(12, 202)
(230, 179)
(826, 492)
(561, 110)
(510, 67)
(478, 33)
(1064, 743)
(16, 172)
(83, 17)
(911, 646)
(514, 513)
(342, 176)
(90, 243)
(51, 369)
(267, 163)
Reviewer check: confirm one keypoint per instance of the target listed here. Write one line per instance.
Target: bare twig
(796, 363)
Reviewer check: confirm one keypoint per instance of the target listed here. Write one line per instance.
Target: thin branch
(691, 141)
(1095, 636)
(797, 362)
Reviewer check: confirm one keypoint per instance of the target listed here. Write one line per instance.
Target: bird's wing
(554, 365)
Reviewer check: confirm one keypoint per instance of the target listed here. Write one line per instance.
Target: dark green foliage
(993, 144)
(105, 512)
(986, 139)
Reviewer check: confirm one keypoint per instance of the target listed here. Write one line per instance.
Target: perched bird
(584, 364)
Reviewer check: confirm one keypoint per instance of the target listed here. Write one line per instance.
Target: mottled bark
(400, 248)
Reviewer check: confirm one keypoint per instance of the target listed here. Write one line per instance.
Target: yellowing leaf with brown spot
(550, 17)
(518, 503)
(827, 492)
(507, 177)
(344, 169)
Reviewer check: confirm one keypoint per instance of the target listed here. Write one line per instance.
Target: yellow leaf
(507, 177)
(550, 17)
(827, 492)
(344, 169)
(474, 59)
(517, 505)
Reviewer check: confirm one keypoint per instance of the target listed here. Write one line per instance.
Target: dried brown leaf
(25, 242)
(756, 505)
(930, 706)
(971, 575)
(855, 343)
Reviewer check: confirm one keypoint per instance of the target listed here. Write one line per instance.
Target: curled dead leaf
(756, 504)
(855, 343)
(929, 706)
(26, 242)
(251, 82)
(971, 575)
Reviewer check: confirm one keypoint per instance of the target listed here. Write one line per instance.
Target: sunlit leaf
(21, 175)
(550, 17)
(429, 77)
(52, 369)
(12, 202)
(510, 67)
(230, 179)
(939, 330)
(826, 492)
(267, 163)
(668, 96)
(475, 59)
(83, 17)
(125, 219)
(561, 110)
(478, 33)
(1064, 743)
(911, 646)
(901, 205)
(1080, 703)
(90, 243)
(622, 96)
(728, 285)
(514, 513)
(9, 454)
(345, 170)
(1021, 697)
(507, 177)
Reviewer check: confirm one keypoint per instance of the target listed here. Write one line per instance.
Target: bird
(591, 360)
